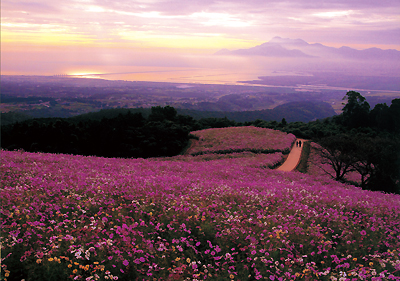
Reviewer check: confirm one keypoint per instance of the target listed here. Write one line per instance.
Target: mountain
(285, 47)
(267, 49)
(303, 111)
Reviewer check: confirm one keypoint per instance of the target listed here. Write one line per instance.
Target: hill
(240, 139)
(107, 218)
(303, 111)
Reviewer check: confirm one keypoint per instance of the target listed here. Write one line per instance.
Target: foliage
(376, 160)
(355, 111)
(13, 117)
(126, 135)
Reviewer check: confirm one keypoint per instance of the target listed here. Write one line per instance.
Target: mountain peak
(280, 40)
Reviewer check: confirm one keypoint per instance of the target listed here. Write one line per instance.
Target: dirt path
(293, 158)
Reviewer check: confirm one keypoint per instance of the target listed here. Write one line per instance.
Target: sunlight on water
(178, 75)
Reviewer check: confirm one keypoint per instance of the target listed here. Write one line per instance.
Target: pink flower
(363, 232)
(125, 262)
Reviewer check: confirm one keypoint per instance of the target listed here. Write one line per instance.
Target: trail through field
(294, 156)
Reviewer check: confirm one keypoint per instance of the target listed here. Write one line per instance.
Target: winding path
(293, 158)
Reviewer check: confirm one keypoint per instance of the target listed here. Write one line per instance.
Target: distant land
(26, 97)
(298, 48)
(312, 67)
(333, 80)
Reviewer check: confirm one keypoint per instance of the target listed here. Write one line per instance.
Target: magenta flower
(65, 198)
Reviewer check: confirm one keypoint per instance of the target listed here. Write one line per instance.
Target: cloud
(256, 20)
(109, 27)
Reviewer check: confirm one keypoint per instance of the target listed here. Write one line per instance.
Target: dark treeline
(163, 133)
(357, 118)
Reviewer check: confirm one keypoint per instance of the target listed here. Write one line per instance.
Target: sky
(49, 37)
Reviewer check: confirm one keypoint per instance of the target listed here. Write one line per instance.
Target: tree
(356, 110)
(381, 118)
(378, 163)
(395, 114)
(159, 113)
(376, 159)
(336, 151)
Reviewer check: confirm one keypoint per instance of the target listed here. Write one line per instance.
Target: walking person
(299, 143)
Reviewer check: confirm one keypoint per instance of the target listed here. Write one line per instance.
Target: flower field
(240, 158)
(238, 139)
(87, 218)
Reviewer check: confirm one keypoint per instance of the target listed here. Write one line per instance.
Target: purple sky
(48, 37)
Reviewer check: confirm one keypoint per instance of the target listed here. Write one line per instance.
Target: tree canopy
(356, 110)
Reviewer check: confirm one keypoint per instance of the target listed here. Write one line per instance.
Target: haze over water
(175, 40)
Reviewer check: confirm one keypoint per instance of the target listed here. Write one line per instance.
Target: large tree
(378, 163)
(337, 152)
(377, 160)
(356, 110)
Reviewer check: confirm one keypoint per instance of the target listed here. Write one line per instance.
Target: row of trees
(375, 159)
(357, 114)
(365, 141)
(163, 133)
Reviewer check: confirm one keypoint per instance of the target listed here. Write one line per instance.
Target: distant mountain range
(298, 48)
(303, 111)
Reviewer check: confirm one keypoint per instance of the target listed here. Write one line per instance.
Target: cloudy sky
(52, 36)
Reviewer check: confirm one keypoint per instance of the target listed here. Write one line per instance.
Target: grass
(305, 153)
